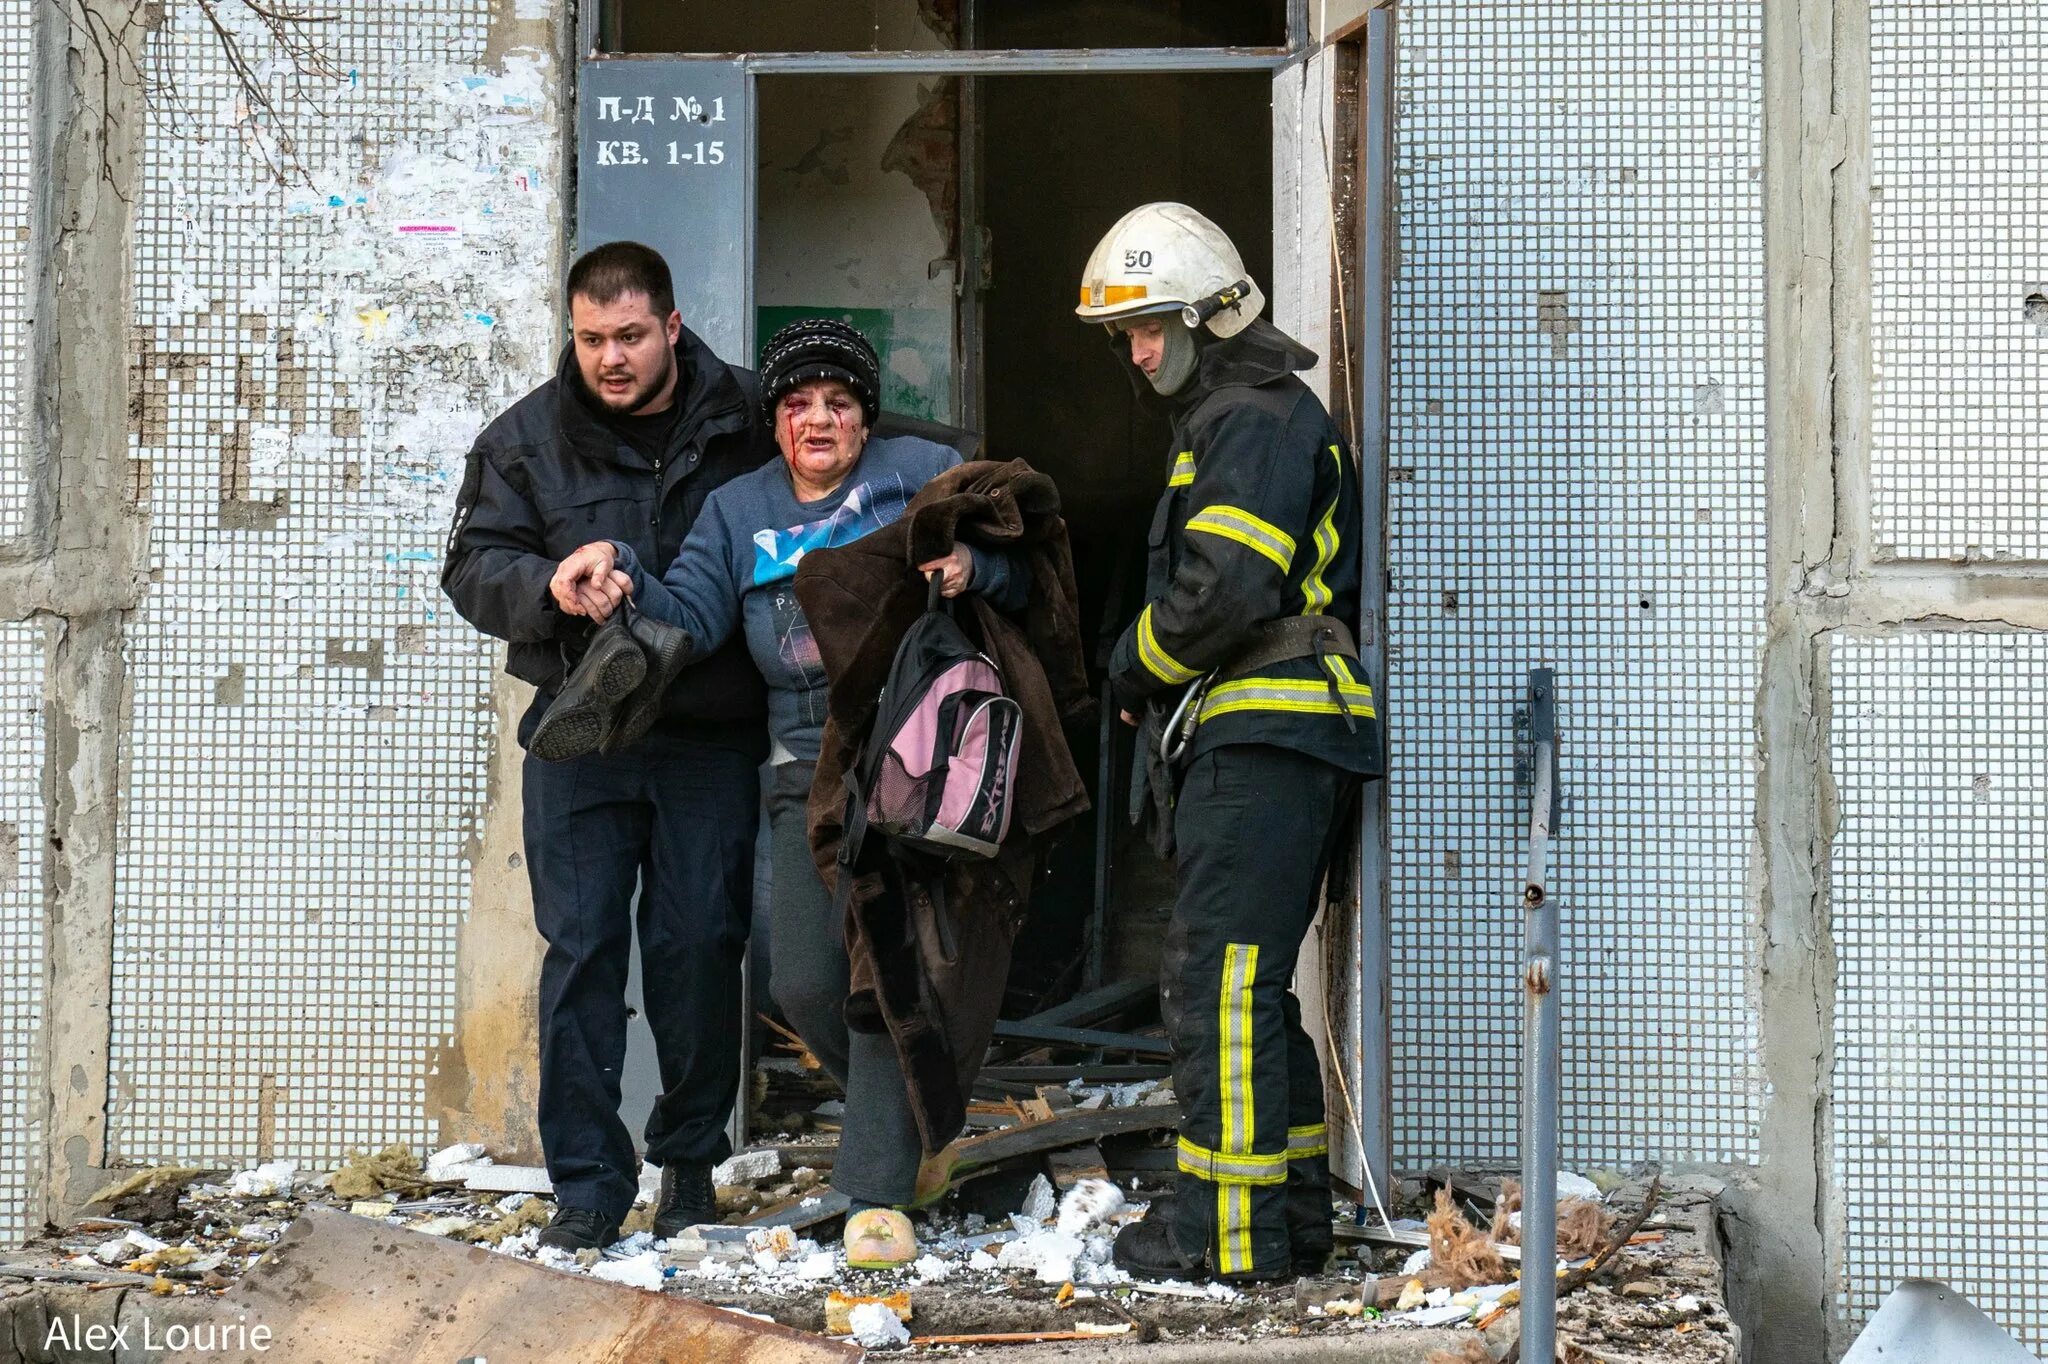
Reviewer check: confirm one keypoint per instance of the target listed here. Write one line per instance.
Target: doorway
(949, 216)
(863, 212)
(1063, 157)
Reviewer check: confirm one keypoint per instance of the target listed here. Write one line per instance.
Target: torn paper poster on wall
(311, 371)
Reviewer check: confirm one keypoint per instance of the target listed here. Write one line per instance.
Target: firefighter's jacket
(1260, 520)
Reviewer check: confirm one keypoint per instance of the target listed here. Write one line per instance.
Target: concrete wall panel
(1959, 280)
(1938, 747)
(318, 340)
(1577, 480)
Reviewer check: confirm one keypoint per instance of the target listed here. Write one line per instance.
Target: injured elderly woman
(821, 391)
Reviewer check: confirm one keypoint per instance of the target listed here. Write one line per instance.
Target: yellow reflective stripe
(1215, 1166)
(1157, 661)
(1183, 470)
(1289, 695)
(1236, 1167)
(1233, 1229)
(1234, 1043)
(1304, 1143)
(1315, 593)
(1235, 523)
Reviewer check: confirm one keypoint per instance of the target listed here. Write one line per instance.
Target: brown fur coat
(940, 1005)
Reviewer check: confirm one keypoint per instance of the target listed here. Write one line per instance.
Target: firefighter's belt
(1277, 641)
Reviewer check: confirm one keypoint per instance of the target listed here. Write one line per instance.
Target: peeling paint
(310, 367)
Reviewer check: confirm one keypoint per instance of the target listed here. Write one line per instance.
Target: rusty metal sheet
(339, 1289)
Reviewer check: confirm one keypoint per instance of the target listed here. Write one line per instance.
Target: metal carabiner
(1180, 727)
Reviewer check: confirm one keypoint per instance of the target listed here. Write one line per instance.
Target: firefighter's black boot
(1147, 1249)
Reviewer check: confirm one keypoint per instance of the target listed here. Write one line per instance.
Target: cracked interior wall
(312, 726)
(856, 211)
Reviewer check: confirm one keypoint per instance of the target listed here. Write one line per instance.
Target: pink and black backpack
(938, 771)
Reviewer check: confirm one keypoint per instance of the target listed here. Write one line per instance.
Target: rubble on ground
(1024, 1252)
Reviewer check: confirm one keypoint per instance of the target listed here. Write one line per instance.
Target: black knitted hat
(815, 348)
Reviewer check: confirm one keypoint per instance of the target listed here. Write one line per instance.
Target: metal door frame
(598, 24)
(1374, 273)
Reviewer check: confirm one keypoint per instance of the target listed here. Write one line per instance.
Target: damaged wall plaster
(315, 362)
(1303, 292)
(851, 207)
(482, 1084)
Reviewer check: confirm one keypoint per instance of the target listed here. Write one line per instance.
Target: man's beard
(639, 397)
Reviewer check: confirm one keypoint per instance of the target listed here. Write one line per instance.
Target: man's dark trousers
(1256, 827)
(679, 816)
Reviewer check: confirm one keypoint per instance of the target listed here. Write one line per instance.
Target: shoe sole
(572, 733)
(638, 713)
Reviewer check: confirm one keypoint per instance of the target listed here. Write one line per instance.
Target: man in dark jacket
(639, 424)
(1245, 648)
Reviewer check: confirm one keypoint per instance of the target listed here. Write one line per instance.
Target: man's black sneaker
(666, 647)
(687, 1200)
(585, 709)
(574, 1229)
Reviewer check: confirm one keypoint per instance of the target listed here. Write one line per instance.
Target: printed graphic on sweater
(798, 649)
(869, 506)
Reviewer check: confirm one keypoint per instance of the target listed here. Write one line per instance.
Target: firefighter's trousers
(1256, 828)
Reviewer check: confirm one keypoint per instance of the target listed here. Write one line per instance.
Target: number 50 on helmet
(1167, 258)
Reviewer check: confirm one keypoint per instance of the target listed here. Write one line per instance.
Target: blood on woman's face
(820, 429)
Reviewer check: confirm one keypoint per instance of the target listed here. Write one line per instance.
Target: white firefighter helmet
(1167, 258)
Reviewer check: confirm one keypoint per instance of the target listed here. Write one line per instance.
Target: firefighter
(1242, 670)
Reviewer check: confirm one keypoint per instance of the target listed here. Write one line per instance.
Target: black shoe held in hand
(586, 709)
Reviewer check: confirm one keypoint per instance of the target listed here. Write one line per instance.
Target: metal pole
(1540, 1077)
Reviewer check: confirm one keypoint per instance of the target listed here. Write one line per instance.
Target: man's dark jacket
(929, 964)
(549, 476)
